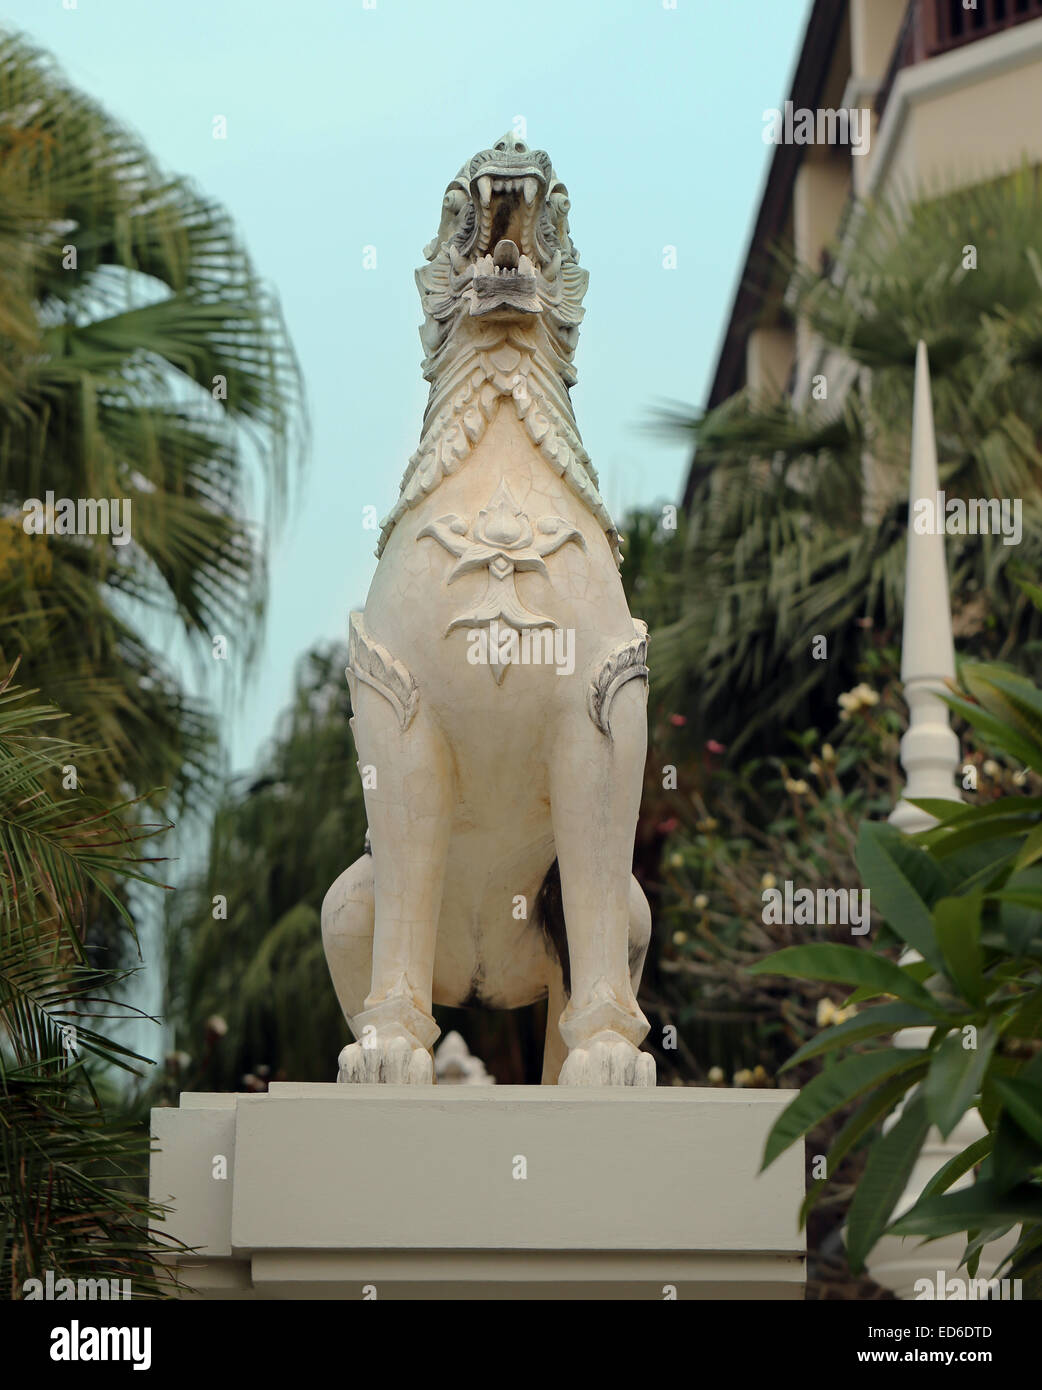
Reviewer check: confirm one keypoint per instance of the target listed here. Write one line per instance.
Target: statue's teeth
(485, 229)
(485, 190)
(530, 188)
(525, 266)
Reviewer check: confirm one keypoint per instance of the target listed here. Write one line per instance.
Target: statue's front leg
(595, 786)
(407, 778)
(555, 1049)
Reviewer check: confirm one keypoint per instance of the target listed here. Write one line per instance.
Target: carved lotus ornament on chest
(503, 542)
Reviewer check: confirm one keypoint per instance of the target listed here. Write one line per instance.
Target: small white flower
(861, 697)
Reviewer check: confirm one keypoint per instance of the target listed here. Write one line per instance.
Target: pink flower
(668, 826)
(678, 720)
(713, 747)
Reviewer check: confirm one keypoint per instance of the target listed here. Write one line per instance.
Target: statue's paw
(608, 1059)
(393, 1061)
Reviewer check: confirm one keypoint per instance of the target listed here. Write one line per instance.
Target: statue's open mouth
(508, 205)
(504, 253)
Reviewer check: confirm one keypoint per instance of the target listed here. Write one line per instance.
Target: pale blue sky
(344, 125)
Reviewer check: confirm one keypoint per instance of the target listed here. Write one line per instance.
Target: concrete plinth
(480, 1192)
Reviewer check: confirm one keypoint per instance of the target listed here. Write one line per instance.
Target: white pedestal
(480, 1192)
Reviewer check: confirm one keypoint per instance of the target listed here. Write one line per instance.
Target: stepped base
(349, 1192)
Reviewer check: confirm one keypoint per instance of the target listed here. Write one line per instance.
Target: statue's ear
(452, 205)
(557, 205)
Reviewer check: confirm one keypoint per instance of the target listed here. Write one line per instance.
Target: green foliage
(778, 550)
(110, 370)
(967, 897)
(776, 553)
(736, 831)
(250, 993)
(71, 1167)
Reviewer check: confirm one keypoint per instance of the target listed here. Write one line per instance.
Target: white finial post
(929, 749)
(930, 756)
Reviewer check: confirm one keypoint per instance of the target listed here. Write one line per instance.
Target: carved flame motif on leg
(627, 662)
(503, 542)
(368, 661)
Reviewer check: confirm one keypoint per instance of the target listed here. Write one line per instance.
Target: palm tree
(71, 1167)
(142, 360)
(792, 537)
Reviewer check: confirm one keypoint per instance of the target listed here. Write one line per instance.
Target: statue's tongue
(506, 254)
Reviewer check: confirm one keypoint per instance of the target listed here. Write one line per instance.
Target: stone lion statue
(498, 682)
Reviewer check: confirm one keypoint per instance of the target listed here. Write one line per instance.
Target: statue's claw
(608, 1059)
(393, 1061)
(395, 1041)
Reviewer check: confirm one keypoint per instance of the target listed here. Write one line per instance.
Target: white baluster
(929, 749)
(930, 758)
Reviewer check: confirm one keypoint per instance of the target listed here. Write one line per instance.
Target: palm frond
(798, 519)
(70, 1171)
(143, 359)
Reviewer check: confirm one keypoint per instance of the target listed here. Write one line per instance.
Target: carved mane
(476, 364)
